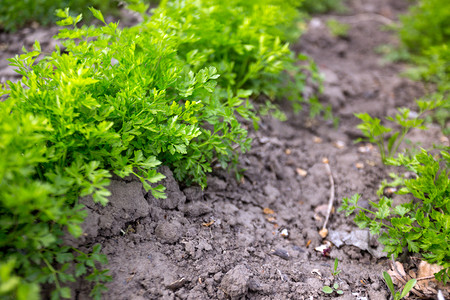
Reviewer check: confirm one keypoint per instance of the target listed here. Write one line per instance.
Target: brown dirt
(162, 249)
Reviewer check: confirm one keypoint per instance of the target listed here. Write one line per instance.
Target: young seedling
(404, 120)
(330, 290)
(335, 288)
(400, 294)
(335, 271)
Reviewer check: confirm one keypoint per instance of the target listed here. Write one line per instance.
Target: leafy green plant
(34, 214)
(401, 294)
(425, 36)
(247, 41)
(16, 14)
(323, 6)
(433, 67)
(425, 25)
(422, 224)
(124, 101)
(405, 120)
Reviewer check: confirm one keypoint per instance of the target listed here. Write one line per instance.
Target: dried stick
(324, 232)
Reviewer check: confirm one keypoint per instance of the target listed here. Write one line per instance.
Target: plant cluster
(424, 33)
(422, 225)
(323, 6)
(15, 14)
(389, 138)
(171, 90)
(426, 25)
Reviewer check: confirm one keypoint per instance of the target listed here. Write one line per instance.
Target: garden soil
(256, 237)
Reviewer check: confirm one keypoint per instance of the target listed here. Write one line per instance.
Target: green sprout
(400, 294)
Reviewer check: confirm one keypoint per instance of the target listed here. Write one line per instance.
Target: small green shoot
(338, 29)
(330, 290)
(389, 139)
(335, 271)
(335, 288)
(398, 295)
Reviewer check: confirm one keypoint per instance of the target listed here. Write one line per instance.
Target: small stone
(235, 282)
(176, 284)
(284, 233)
(359, 165)
(193, 193)
(388, 192)
(254, 285)
(271, 192)
(330, 76)
(317, 140)
(366, 148)
(339, 144)
(281, 253)
(301, 172)
(216, 184)
(168, 232)
(196, 209)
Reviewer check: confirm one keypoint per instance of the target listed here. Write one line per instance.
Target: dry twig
(324, 231)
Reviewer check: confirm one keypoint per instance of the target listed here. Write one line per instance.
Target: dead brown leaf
(426, 285)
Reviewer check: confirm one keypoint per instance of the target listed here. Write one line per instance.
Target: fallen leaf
(430, 286)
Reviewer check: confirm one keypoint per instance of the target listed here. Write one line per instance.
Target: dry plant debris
(324, 231)
(427, 286)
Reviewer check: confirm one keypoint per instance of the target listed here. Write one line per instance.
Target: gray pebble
(168, 232)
